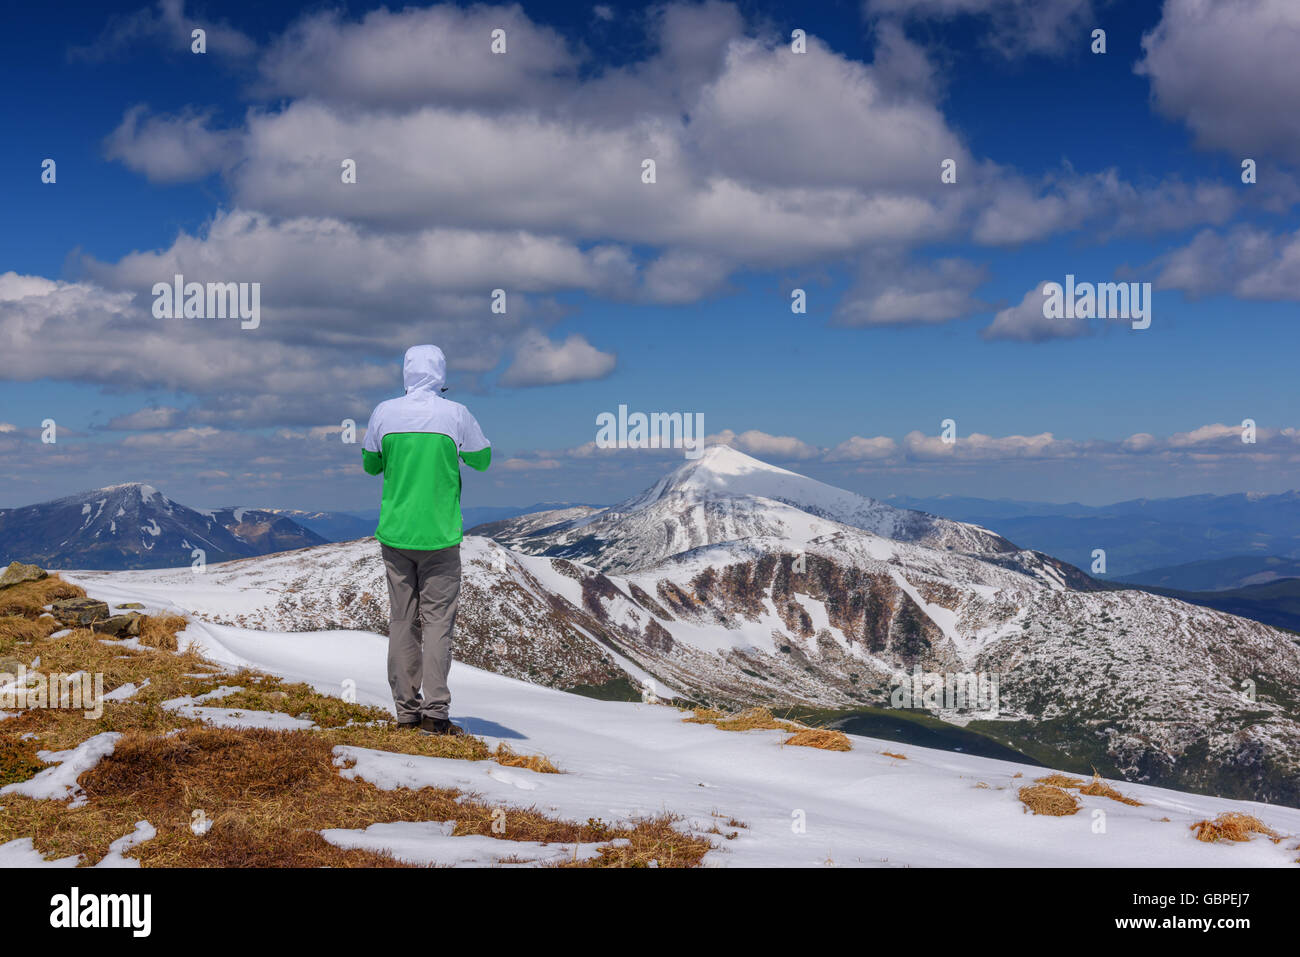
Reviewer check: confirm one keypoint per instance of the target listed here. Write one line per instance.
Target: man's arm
(372, 456)
(475, 450)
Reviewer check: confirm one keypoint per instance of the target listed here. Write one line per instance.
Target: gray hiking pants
(423, 588)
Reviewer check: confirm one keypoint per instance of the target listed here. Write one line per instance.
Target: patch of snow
(127, 691)
(59, 783)
(116, 856)
(23, 853)
(428, 843)
(189, 707)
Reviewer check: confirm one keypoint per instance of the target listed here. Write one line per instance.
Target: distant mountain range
(1148, 538)
(136, 526)
(332, 526)
(346, 526)
(1220, 574)
(133, 525)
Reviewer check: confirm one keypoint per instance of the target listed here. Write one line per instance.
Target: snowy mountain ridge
(726, 495)
(134, 525)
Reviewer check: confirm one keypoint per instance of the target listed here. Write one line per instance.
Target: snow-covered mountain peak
(726, 496)
(141, 490)
(725, 479)
(723, 460)
(722, 471)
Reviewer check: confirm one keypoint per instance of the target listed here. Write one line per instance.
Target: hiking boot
(440, 726)
(408, 725)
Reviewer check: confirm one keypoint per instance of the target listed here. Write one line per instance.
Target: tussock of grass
(18, 760)
(822, 738)
(756, 719)
(29, 599)
(1045, 799)
(652, 843)
(159, 631)
(1100, 788)
(1233, 826)
(751, 719)
(1096, 788)
(1057, 780)
(705, 716)
(894, 755)
(16, 628)
(503, 755)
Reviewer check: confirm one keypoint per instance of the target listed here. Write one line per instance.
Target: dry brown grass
(22, 612)
(822, 738)
(503, 755)
(387, 737)
(1100, 788)
(1233, 826)
(1096, 788)
(894, 755)
(1058, 780)
(16, 628)
(751, 719)
(168, 674)
(159, 631)
(762, 719)
(268, 795)
(30, 598)
(1045, 799)
(263, 692)
(652, 843)
(18, 761)
(705, 716)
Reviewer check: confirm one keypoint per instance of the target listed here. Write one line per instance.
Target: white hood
(424, 369)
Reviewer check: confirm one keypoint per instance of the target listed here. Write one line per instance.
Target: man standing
(417, 443)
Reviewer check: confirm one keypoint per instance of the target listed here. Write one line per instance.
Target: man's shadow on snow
(482, 726)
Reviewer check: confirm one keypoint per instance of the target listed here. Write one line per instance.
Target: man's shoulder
(454, 407)
(426, 408)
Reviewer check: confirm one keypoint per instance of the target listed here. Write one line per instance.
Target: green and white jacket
(417, 443)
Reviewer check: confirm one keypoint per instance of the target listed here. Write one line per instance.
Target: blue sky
(670, 297)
